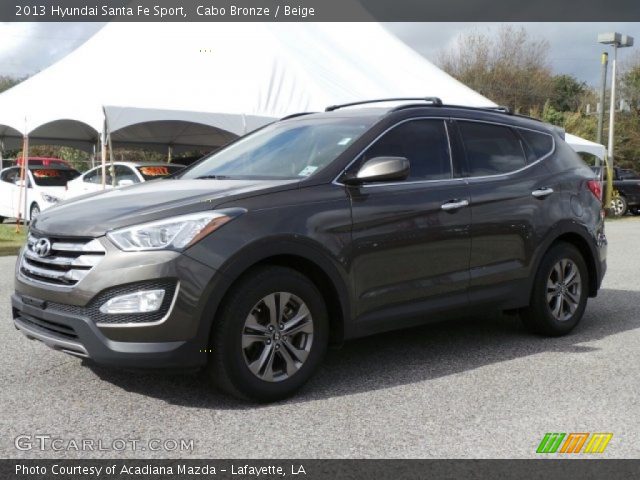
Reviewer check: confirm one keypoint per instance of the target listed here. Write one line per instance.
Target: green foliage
(567, 93)
(7, 82)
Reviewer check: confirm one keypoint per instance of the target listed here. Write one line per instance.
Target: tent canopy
(156, 84)
(230, 76)
(582, 145)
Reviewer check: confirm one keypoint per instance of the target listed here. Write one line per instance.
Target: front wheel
(270, 337)
(560, 292)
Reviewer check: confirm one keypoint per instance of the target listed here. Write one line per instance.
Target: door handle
(454, 205)
(542, 192)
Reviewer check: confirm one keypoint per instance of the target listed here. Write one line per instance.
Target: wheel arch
(578, 237)
(307, 260)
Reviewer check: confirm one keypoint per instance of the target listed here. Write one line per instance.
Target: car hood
(94, 214)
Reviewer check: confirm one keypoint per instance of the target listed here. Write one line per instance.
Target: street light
(618, 41)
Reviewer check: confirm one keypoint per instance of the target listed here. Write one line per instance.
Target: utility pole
(604, 60)
(612, 109)
(616, 40)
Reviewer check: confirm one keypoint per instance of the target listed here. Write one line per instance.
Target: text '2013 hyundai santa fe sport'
(316, 229)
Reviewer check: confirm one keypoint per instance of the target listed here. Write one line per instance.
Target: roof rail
(294, 115)
(434, 100)
(500, 109)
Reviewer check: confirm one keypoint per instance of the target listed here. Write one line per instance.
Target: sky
(26, 48)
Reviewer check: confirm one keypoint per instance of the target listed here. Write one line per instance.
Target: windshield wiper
(213, 177)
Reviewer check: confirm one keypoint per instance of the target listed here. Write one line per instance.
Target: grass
(10, 241)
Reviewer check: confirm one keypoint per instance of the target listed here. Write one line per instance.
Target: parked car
(45, 188)
(126, 173)
(627, 183)
(314, 230)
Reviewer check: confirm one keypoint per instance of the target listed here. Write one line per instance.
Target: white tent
(200, 84)
(582, 145)
(238, 76)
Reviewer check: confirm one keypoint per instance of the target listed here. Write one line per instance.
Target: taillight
(596, 188)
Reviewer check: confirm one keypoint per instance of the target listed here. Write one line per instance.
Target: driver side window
(423, 142)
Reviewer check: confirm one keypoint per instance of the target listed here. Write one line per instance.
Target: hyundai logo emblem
(42, 247)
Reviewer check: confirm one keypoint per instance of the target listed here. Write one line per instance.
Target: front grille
(60, 261)
(92, 310)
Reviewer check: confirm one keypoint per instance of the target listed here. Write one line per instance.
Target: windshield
(283, 150)
(151, 172)
(53, 177)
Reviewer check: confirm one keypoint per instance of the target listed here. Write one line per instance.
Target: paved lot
(472, 388)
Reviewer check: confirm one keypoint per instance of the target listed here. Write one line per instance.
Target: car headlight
(174, 233)
(49, 198)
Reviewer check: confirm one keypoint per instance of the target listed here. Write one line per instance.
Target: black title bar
(319, 469)
(318, 10)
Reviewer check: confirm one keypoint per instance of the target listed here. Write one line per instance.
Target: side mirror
(380, 169)
(125, 183)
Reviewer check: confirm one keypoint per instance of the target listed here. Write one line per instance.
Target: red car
(45, 162)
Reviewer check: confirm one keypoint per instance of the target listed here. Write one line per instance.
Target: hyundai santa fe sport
(313, 230)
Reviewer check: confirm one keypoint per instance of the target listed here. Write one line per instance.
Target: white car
(126, 173)
(45, 187)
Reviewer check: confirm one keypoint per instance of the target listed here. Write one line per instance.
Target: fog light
(143, 301)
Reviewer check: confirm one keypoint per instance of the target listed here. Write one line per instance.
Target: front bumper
(80, 337)
(67, 319)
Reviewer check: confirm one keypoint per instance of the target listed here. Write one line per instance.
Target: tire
(34, 211)
(635, 210)
(241, 336)
(619, 206)
(543, 316)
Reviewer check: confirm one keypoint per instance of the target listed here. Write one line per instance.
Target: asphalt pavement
(470, 388)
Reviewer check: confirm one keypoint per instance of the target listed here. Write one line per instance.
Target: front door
(411, 241)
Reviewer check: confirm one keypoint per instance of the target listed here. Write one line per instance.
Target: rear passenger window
(540, 144)
(491, 149)
(423, 142)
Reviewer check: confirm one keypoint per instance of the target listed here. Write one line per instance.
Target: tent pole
(103, 154)
(26, 180)
(94, 149)
(1, 152)
(112, 170)
(169, 153)
(23, 169)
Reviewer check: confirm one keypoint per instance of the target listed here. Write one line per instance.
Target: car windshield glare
(284, 150)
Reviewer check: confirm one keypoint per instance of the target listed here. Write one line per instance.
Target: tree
(511, 68)
(6, 82)
(567, 93)
(630, 82)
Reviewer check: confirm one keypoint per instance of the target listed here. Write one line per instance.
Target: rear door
(511, 195)
(409, 253)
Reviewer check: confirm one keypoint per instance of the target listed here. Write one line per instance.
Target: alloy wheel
(564, 289)
(617, 206)
(277, 336)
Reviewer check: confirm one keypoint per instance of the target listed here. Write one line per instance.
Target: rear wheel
(560, 292)
(270, 337)
(618, 206)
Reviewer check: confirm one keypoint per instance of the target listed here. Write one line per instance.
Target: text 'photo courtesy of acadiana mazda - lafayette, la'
(313, 230)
